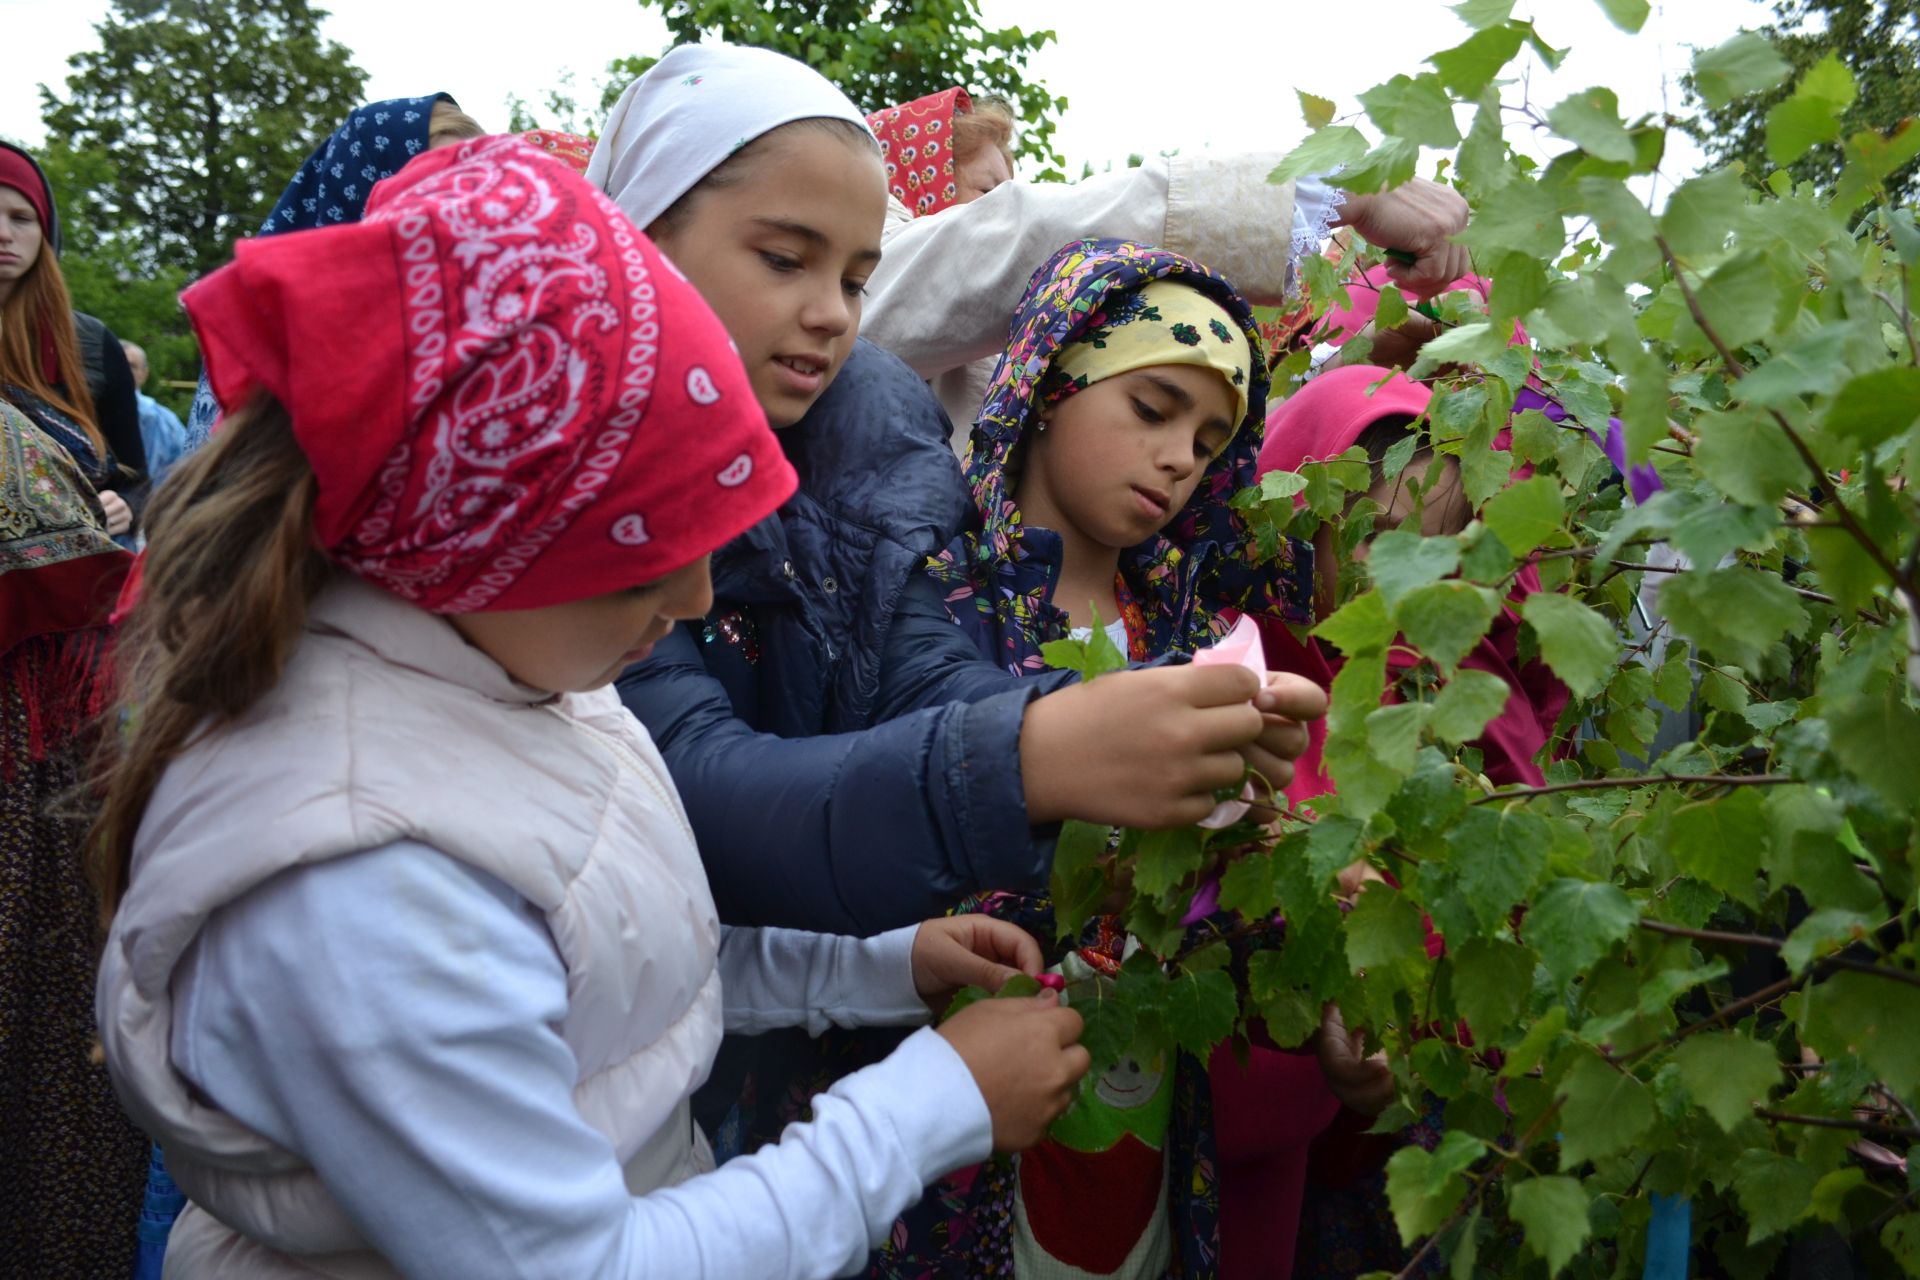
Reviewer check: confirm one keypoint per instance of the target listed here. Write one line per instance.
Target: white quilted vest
(388, 726)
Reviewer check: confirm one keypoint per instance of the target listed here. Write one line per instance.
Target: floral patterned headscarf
(1179, 579)
(916, 142)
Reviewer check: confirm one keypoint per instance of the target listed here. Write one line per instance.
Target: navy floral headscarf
(374, 142)
(1000, 577)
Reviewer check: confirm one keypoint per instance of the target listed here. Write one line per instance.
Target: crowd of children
(575, 674)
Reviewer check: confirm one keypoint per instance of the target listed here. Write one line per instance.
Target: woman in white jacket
(413, 966)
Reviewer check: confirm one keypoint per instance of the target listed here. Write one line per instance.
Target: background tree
(880, 54)
(173, 140)
(204, 109)
(1878, 41)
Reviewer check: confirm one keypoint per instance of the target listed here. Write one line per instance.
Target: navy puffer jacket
(848, 761)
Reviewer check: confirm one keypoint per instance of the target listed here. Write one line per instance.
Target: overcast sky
(1224, 79)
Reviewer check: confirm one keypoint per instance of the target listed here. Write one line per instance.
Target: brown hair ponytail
(229, 572)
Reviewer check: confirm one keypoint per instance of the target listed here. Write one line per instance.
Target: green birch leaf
(1521, 217)
(1400, 562)
(1822, 933)
(1077, 882)
(1734, 613)
(1387, 166)
(1416, 109)
(1876, 406)
(1798, 124)
(1606, 1109)
(1384, 927)
(1813, 365)
(1524, 514)
(1831, 1192)
(1499, 855)
(1590, 120)
(1581, 646)
(1316, 111)
(1722, 840)
(1552, 1210)
(1875, 1018)
(1470, 66)
(1390, 312)
(1419, 1210)
(1746, 456)
(1572, 923)
(1727, 1074)
(1701, 212)
(1361, 625)
(1199, 1010)
(1776, 1191)
(1111, 1024)
(1629, 16)
(1165, 858)
(1322, 151)
(1393, 734)
(1481, 14)
(1746, 64)
(1877, 737)
(1490, 981)
(1466, 703)
(1444, 620)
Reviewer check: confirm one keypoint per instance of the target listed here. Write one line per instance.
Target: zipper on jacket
(632, 760)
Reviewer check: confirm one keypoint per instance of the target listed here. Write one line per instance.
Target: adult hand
(1025, 1056)
(1362, 1083)
(1418, 216)
(119, 514)
(1143, 748)
(952, 952)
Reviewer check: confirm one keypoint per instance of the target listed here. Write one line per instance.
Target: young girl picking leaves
(413, 966)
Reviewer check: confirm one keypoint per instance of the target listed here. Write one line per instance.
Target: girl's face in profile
(783, 256)
(585, 644)
(1120, 458)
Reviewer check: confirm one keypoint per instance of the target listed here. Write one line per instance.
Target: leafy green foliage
(1853, 66)
(1683, 961)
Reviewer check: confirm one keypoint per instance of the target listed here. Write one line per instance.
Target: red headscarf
(510, 398)
(572, 149)
(916, 141)
(1321, 420)
(17, 170)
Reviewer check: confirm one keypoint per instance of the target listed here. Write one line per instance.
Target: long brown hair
(229, 572)
(39, 304)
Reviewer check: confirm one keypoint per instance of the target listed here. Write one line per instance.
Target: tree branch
(1713, 935)
(1641, 780)
(1827, 1122)
(1737, 370)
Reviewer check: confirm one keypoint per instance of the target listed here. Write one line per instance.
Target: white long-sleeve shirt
(947, 288)
(390, 1016)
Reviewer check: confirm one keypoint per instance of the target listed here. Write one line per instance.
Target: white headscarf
(694, 108)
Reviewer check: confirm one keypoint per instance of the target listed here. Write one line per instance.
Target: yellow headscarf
(1163, 322)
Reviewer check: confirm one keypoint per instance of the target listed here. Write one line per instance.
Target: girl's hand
(1025, 1057)
(1362, 1083)
(119, 514)
(969, 951)
(1149, 748)
(1420, 217)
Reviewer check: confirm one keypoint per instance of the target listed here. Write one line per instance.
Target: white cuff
(930, 1098)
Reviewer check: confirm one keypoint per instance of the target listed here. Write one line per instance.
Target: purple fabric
(1642, 480)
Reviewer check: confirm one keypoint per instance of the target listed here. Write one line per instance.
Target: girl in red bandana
(413, 966)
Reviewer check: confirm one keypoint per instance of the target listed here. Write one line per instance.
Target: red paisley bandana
(509, 396)
(916, 141)
(571, 148)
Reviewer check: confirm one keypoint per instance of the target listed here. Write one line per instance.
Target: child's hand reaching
(1361, 1082)
(1025, 1057)
(969, 951)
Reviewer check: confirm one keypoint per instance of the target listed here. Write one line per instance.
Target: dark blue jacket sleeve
(846, 833)
(930, 661)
